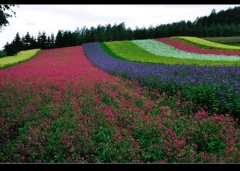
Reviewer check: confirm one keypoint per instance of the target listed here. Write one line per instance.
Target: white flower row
(162, 49)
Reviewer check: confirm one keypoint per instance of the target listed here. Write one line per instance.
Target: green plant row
(22, 56)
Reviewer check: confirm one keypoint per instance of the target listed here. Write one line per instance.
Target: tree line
(29, 42)
(199, 28)
(230, 16)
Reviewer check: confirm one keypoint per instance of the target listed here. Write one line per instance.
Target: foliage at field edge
(2, 53)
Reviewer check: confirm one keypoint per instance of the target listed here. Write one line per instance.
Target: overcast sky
(51, 18)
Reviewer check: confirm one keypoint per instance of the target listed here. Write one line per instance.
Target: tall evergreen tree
(26, 40)
(42, 40)
(59, 39)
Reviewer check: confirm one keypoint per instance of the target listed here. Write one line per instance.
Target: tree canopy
(4, 14)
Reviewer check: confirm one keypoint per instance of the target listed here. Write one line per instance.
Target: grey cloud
(30, 24)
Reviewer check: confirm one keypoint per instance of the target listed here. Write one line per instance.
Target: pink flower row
(56, 66)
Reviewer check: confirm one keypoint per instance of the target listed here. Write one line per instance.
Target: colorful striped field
(138, 101)
(148, 53)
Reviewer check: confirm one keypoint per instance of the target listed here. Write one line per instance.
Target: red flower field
(55, 65)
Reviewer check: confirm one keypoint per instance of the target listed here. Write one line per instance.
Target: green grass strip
(21, 56)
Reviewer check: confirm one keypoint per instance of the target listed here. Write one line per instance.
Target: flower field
(136, 51)
(120, 102)
(206, 44)
(189, 48)
(162, 49)
(20, 57)
(52, 66)
(215, 88)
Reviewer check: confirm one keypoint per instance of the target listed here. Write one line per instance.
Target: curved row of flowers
(129, 50)
(162, 49)
(206, 43)
(217, 88)
(190, 48)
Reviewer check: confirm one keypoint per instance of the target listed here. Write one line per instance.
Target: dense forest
(230, 16)
(223, 23)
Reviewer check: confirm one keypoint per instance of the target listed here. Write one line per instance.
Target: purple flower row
(178, 74)
(215, 88)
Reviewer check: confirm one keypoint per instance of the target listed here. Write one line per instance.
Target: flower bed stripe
(58, 66)
(162, 49)
(190, 48)
(130, 51)
(207, 43)
(215, 87)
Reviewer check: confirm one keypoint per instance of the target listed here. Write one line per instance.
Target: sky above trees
(51, 18)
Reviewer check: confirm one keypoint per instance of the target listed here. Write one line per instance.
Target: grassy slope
(20, 57)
